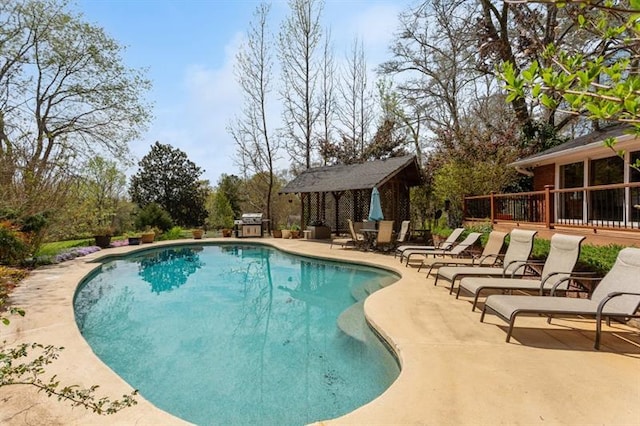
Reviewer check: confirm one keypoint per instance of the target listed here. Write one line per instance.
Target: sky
(188, 48)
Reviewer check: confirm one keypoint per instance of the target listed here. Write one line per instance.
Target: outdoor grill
(250, 225)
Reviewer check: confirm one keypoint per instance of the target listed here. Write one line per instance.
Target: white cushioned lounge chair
(520, 246)
(404, 231)
(563, 256)
(489, 256)
(617, 296)
(445, 245)
(457, 250)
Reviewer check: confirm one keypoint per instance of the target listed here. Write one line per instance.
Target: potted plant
(226, 232)
(277, 232)
(148, 236)
(134, 239)
(103, 236)
(197, 233)
(295, 231)
(286, 233)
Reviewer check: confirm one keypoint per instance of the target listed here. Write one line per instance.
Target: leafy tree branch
(15, 370)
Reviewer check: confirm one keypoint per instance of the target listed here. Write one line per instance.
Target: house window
(572, 175)
(606, 171)
(571, 203)
(606, 204)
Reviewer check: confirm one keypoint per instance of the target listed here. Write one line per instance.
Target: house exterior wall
(543, 176)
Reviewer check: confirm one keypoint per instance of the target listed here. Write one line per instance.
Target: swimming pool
(238, 334)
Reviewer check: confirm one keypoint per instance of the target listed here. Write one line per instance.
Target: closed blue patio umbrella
(375, 209)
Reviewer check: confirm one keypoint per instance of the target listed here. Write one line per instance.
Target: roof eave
(548, 158)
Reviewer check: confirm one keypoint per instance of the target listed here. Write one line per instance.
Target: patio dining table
(370, 236)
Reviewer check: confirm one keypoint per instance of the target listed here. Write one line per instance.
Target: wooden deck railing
(605, 206)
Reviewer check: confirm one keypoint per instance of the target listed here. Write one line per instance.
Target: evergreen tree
(167, 177)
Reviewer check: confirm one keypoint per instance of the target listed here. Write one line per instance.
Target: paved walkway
(455, 370)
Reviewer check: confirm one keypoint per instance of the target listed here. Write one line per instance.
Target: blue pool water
(226, 334)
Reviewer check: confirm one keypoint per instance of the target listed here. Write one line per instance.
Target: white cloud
(197, 124)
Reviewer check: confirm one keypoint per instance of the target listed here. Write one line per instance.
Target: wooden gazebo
(333, 194)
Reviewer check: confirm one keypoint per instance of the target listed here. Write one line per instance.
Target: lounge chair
(520, 246)
(617, 296)
(445, 245)
(488, 257)
(404, 231)
(456, 251)
(563, 255)
(355, 240)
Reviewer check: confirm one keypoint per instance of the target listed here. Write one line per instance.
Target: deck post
(493, 206)
(547, 206)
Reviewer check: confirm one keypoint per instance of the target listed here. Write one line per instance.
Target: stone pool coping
(455, 370)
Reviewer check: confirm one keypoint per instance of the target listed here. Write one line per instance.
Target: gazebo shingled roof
(333, 194)
(345, 177)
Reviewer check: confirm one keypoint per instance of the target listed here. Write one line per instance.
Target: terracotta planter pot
(277, 233)
(148, 237)
(295, 234)
(197, 233)
(226, 233)
(286, 233)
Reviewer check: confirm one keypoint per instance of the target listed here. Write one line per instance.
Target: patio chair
(445, 245)
(456, 251)
(563, 256)
(355, 240)
(385, 234)
(520, 246)
(488, 257)
(617, 296)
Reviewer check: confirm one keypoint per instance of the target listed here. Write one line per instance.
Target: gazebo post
(302, 199)
(336, 197)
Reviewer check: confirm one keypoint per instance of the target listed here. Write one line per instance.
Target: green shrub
(541, 248)
(484, 229)
(12, 247)
(598, 259)
(174, 233)
(153, 216)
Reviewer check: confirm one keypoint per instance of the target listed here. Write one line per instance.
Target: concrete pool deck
(455, 370)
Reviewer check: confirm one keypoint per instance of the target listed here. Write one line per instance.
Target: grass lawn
(53, 248)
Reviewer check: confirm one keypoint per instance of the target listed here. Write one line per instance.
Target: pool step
(387, 281)
(371, 287)
(359, 293)
(351, 321)
(363, 291)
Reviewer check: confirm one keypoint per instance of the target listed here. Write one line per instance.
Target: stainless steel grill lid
(252, 219)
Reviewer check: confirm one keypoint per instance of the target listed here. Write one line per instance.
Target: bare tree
(64, 94)
(356, 105)
(256, 150)
(327, 97)
(436, 53)
(298, 44)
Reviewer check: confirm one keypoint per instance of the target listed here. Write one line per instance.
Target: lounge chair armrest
(583, 276)
(481, 260)
(578, 274)
(611, 296)
(518, 263)
(528, 264)
(552, 292)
